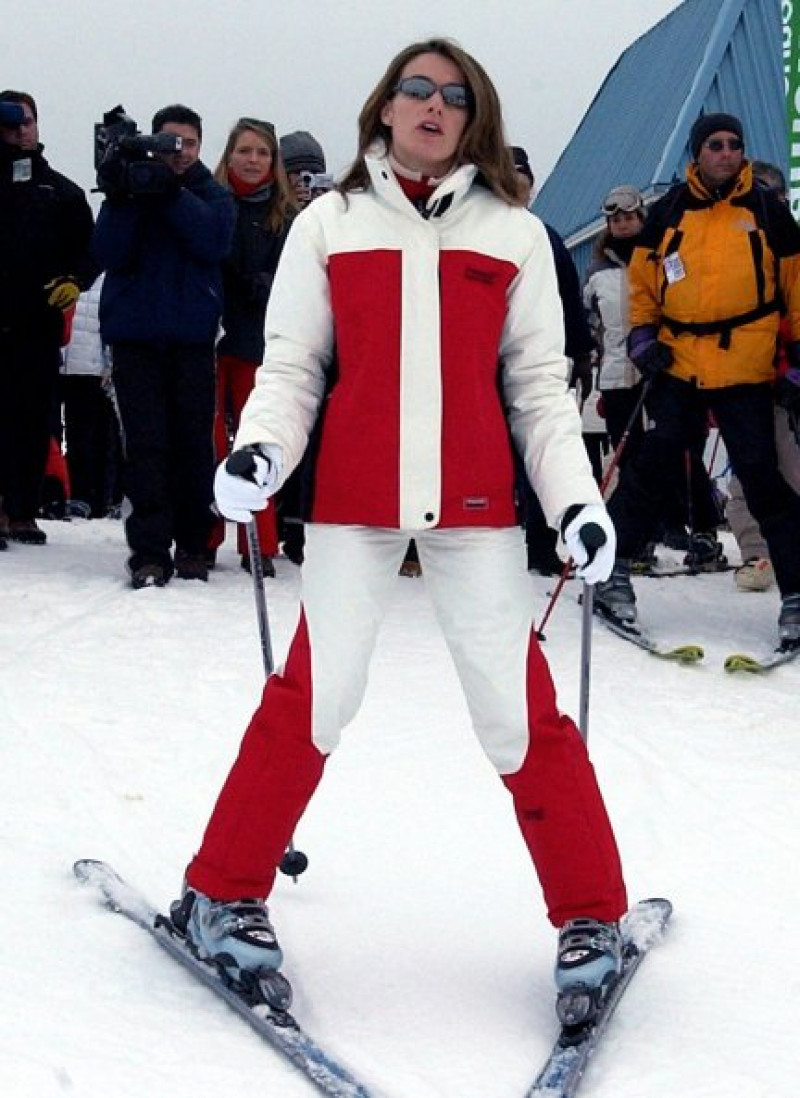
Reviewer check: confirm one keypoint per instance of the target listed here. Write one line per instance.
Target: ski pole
(294, 862)
(612, 465)
(593, 537)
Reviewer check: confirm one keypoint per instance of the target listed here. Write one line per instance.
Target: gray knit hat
(707, 124)
(302, 153)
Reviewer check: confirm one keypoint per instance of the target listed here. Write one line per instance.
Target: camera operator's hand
(62, 292)
(153, 179)
(245, 481)
(648, 355)
(112, 178)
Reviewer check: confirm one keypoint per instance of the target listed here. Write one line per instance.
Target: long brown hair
(283, 204)
(483, 142)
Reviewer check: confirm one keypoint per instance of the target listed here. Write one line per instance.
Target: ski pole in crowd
(294, 862)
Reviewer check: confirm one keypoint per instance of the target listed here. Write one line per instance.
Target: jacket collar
(450, 191)
(741, 185)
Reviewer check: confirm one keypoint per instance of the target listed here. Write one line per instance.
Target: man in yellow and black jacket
(717, 263)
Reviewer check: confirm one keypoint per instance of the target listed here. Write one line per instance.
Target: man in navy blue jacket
(161, 235)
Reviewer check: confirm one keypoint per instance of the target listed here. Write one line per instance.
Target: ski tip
(687, 653)
(739, 661)
(646, 921)
(85, 868)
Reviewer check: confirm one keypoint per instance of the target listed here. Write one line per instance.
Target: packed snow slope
(417, 940)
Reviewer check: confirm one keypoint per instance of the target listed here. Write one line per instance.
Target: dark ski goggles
(422, 88)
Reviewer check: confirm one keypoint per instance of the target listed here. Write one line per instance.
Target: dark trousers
(93, 449)
(165, 394)
(29, 368)
(678, 412)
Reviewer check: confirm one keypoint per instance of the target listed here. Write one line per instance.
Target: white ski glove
(591, 539)
(245, 481)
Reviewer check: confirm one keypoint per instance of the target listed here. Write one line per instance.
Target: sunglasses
(717, 144)
(422, 88)
(258, 123)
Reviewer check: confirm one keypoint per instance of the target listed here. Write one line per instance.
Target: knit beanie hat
(302, 153)
(707, 124)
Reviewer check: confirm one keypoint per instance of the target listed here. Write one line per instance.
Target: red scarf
(242, 189)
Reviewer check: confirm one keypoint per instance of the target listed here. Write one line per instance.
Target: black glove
(787, 391)
(152, 180)
(582, 375)
(112, 178)
(648, 355)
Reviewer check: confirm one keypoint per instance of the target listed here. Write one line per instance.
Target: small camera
(317, 181)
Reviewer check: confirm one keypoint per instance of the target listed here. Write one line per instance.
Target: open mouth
(430, 127)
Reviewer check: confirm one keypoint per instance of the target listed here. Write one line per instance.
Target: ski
(756, 665)
(560, 1077)
(271, 1020)
(684, 654)
(680, 570)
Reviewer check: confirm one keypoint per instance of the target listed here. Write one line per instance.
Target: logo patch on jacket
(475, 503)
(480, 274)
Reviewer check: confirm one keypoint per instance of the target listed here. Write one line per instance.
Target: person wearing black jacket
(45, 262)
(161, 235)
(251, 168)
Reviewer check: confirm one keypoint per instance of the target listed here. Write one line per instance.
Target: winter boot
(705, 553)
(755, 574)
(588, 961)
(191, 566)
(236, 935)
(615, 596)
(789, 620)
(149, 573)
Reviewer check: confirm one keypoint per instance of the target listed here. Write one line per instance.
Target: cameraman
(45, 234)
(162, 233)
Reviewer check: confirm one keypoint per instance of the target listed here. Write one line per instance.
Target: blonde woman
(251, 168)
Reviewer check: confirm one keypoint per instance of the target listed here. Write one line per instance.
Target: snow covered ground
(417, 940)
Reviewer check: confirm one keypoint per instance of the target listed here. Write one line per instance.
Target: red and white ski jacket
(447, 333)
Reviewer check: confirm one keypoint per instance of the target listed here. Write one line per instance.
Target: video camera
(125, 159)
(11, 114)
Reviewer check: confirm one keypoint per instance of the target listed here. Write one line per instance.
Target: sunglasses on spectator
(421, 87)
(717, 144)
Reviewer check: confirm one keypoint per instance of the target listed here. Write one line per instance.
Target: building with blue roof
(705, 56)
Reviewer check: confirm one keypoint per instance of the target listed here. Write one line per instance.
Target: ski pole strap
(722, 328)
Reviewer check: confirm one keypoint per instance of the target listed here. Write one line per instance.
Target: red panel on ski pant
(561, 813)
(272, 780)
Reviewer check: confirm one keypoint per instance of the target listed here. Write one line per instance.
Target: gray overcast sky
(303, 64)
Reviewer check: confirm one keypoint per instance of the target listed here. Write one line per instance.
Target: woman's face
(624, 223)
(251, 157)
(426, 132)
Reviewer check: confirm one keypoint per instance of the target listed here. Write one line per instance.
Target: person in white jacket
(395, 300)
(91, 429)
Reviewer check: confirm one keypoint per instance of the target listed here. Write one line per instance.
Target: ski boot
(238, 938)
(588, 962)
(705, 553)
(614, 597)
(789, 621)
